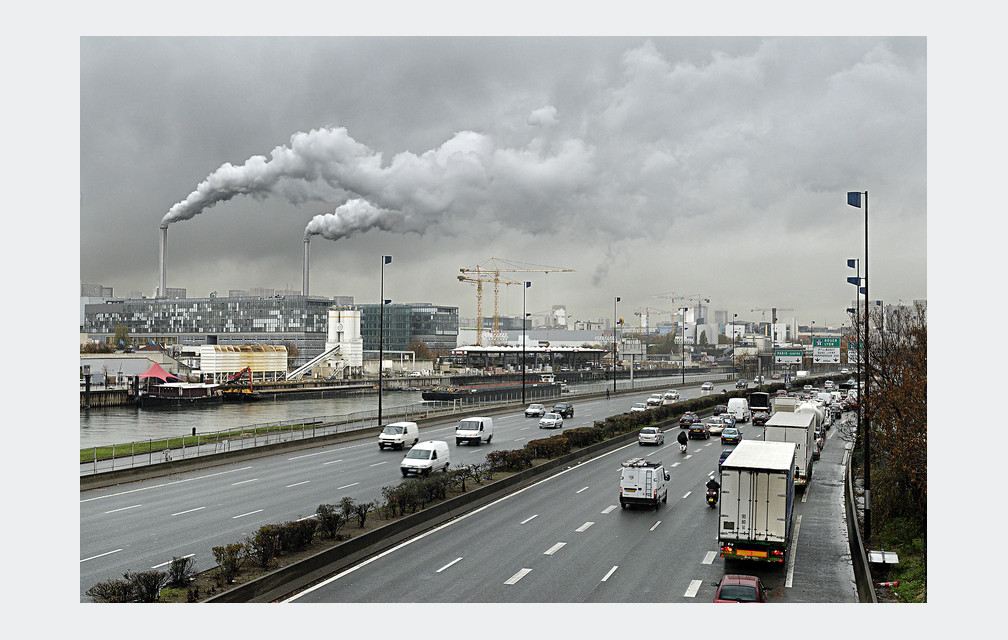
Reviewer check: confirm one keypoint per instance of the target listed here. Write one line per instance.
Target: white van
(474, 430)
(426, 457)
(643, 482)
(739, 407)
(398, 434)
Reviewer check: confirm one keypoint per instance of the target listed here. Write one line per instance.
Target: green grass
(905, 538)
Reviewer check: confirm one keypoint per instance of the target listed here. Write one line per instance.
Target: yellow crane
(491, 273)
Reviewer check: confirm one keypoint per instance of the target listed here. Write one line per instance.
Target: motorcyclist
(713, 485)
(682, 438)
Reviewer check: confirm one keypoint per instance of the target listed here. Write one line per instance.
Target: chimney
(162, 287)
(304, 285)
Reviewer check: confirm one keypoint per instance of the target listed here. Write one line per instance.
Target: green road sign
(826, 342)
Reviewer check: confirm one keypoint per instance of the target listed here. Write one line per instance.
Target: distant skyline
(694, 165)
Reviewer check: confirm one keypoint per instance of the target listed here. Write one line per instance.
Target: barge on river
(485, 391)
(180, 394)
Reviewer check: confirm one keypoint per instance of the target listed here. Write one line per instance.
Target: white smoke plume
(355, 216)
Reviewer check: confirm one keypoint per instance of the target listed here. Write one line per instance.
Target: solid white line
(123, 509)
(314, 515)
(346, 486)
(246, 514)
(188, 511)
(235, 484)
(581, 489)
(527, 519)
(163, 484)
(709, 558)
(101, 554)
(378, 464)
(694, 586)
(611, 571)
(448, 565)
(518, 576)
(655, 526)
(609, 508)
(297, 484)
(165, 564)
(332, 462)
(308, 455)
(687, 494)
(584, 526)
(794, 544)
(554, 548)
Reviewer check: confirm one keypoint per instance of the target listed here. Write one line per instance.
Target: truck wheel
(405, 474)
(458, 442)
(381, 447)
(490, 438)
(622, 504)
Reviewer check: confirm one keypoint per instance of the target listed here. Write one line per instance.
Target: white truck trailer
(757, 495)
(797, 427)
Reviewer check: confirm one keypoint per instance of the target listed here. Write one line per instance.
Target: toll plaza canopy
(156, 371)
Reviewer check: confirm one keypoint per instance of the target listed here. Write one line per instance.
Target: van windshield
(391, 430)
(468, 425)
(419, 454)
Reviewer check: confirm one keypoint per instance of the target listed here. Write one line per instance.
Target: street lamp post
(524, 315)
(734, 315)
(684, 345)
(812, 366)
(854, 200)
(614, 344)
(381, 333)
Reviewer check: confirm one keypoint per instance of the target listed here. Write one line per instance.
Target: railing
(160, 450)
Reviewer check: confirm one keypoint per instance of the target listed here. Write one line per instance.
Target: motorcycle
(682, 447)
(712, 496)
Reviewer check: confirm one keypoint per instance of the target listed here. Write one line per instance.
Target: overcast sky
(693, 165)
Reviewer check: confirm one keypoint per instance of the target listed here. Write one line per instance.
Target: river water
(116, 425)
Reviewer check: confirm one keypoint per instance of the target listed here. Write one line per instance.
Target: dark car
(731, 435)
(741, 384)
(688, 418)
(565, 409)
(738, 588)
(720, 408)
(699, 430)
(760, 417)
(724, 455)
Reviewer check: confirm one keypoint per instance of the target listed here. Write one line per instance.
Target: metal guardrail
(152, 451)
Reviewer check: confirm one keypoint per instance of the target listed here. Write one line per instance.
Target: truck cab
(643, 482)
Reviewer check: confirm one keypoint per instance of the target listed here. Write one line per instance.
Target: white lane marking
(611, 571)
(688, 456)
(527, 519)
(675, 464)
(123, 509)
(518, 576)
(791, 553)
(655, 526)
(378, 464)
(347, 486)
(450, 523)
(297, 484)
(448, 565)
(804, 497)
(709, 558)
(246, 514)
(163, 484)
(694, 586)
(609, 508)
(584, 526)
(187, 511)
(332, 462)
(687, 495)
(524, 428)
(581, 489)
(517, 439)
(101, 554)
(235, 484)
(554, 548)
(308, 455)
(165, 564)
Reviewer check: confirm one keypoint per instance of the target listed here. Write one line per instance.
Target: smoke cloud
(355, 216)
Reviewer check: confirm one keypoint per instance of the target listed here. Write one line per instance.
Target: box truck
(759, 401)
(757, 496)
(798, 428)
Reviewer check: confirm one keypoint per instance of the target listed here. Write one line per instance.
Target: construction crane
(699, 297)
(491, 273)
(773, 316)
(644, 313)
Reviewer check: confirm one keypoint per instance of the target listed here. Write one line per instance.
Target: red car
(738, 588)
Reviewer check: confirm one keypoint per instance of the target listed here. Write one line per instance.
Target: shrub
(330, 521)
(347, 507)
(111, 591)
(229, 559)
(264, 545)
(548, 448)
(180, 571)
(583, 436)
(362, 509)
(510, 460)
(296, 535)
(146, 585)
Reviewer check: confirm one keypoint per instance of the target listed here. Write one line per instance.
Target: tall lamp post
(381, 333)
(734, 315)
(685, 309)
(812, 366)
(524, 315)
(854, 200)
(614, 344)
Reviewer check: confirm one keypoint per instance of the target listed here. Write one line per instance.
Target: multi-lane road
(558, 540)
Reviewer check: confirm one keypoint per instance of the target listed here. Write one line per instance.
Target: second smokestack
(304, 284)
(162, 287)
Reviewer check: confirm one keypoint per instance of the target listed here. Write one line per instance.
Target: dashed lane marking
(611, 571)
(694, 586)
(655, 525)
(347, 486)
(235, 484)
(101, 554)
(518, 576)
(527, 519)
(687, 495)
(297, 484)
(377, 464)
(448, 565)
(246, 514)
(165, 564)
(187, 511)
(554, 548)
(609, 508)
(709, 558)
(584, 526)
(123, 508)
(332, 462)
(581, 489)
(164, 484)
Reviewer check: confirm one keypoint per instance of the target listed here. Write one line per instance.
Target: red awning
(157, 372)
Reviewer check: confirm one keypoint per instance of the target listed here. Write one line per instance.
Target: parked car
(651, 435)
(707, 386)
(741, 384)
(565, 409)
(739, 588)
(714, 425)
(731, 435)
(551, 421)
(535, 410)
(654, 400)
(724, 455)
(688, 418)
(638, 406)
(760, 417)
(699, 430)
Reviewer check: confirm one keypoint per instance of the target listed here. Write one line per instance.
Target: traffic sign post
(826, 350)
(788, 356)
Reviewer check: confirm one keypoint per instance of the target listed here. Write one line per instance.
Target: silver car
(535, 410)
(551, 421)
(707, 386)
(651, 435)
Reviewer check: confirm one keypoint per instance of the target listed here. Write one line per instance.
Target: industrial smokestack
(162, 287)
(304, 285)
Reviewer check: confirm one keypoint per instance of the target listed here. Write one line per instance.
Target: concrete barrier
(862, 574)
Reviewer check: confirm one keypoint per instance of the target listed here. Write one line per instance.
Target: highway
(140, 525)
